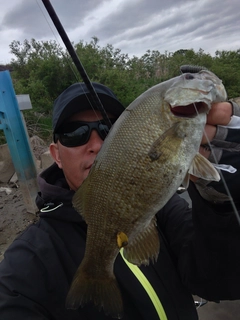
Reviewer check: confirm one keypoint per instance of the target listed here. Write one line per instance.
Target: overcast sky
(134, 26)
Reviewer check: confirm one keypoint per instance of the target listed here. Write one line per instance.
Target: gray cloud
(133, 26)
(171, 24)
(29, 16)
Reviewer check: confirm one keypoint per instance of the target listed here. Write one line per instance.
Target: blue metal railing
(13, 125)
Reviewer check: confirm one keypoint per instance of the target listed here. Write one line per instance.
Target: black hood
(55, 194)
(53, 187)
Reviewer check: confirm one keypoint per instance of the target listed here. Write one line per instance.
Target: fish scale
(150, 151)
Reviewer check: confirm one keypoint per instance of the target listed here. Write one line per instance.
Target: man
(199, 247)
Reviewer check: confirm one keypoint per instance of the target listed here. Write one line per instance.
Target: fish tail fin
(103, 293)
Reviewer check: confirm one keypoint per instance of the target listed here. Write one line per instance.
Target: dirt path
(13, 216)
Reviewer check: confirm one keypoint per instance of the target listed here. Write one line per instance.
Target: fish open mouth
(190, 111)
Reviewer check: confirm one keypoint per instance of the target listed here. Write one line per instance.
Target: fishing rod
(95, 98)
(80, 68)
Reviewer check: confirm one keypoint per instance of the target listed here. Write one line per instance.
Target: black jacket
(199, 255)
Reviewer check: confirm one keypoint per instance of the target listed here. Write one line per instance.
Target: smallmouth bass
(150, 151)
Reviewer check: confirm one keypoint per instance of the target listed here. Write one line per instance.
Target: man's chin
(86, 172)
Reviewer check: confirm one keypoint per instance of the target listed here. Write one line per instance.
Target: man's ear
(54, 151)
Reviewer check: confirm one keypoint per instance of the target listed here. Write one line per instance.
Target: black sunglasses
(78, 133)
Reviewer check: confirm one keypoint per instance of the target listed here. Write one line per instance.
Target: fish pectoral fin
(163, 142)
(144, 247)
(202, 168)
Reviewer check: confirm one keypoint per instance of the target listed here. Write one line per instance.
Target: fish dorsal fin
(202, 168)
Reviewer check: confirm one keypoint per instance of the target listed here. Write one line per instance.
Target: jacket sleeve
(215, 250)
(37, 271)
(205, 244)
(21, 278)
(32, 281)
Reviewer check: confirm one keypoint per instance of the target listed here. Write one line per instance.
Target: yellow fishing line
(148, 288)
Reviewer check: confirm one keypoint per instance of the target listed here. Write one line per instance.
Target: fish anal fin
(161, 145)
(202, 168)
(144, 247)
(103, 292)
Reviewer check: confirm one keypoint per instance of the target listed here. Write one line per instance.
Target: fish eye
(189, 76)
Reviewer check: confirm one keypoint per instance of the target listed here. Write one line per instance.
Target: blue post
(11, 122)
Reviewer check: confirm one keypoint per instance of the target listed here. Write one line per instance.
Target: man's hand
(221, 145)
(220, 114)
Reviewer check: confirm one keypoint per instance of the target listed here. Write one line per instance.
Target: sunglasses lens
(82, 132)
(103, 130)
(75, 138)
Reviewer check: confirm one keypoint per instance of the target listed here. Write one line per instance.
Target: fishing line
(95, 98)
(98, 103)
(196, 69)
(220, 172)
(67, 59)
(184, 69)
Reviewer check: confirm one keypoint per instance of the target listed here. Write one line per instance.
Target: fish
(150, 151)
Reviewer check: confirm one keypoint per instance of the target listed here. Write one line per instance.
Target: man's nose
(95, 142)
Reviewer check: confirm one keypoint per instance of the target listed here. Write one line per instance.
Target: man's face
(77, 161)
